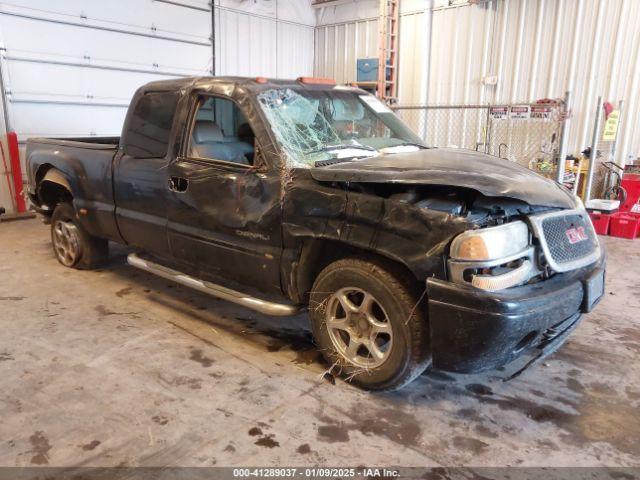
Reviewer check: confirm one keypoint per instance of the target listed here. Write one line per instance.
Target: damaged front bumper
(474, 330)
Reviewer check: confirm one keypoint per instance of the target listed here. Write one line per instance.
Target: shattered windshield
(316, 126)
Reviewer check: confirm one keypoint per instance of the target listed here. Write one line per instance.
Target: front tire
(369, 323)
(72, 245)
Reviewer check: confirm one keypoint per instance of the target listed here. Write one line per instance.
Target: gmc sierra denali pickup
(288, 195)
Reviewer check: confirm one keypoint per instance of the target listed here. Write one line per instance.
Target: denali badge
(576, 235)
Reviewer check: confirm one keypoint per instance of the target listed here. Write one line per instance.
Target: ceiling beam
(329, 3)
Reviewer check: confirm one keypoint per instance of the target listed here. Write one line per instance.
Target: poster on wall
(520, 112)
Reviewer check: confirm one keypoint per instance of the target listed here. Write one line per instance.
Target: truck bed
(86, 163)
(96, 143)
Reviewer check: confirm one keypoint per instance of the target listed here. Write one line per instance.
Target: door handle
(178, 184)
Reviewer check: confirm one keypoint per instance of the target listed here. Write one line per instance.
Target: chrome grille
(553, 230)
(555, 233)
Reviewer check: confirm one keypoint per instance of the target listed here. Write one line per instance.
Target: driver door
(224, 215)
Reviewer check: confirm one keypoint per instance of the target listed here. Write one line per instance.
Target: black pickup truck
(284, 195)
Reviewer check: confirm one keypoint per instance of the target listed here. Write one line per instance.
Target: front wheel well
(317, 254)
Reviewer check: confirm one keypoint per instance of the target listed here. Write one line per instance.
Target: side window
(149, 128)
(221, 132)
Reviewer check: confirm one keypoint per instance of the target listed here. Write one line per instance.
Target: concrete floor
(116, 367)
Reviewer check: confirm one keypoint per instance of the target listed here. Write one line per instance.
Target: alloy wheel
(67, 242)
(359, 327)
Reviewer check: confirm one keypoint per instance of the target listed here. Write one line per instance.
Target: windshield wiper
(341, 147)
(334, 161)
(408, 144)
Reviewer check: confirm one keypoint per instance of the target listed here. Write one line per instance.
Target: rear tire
(72, 245)
(369, 323)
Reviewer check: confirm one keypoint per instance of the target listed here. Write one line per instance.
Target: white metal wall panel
(355, 10)
(345, 33)
(339, 46)
(414, 51)
(350, 31)
(461, 50)
(295, 50)
(6, 197)
(540, 49)
(264, 8)
(536, 48)
(245, 44)
(297, 11)
(347, 12)
(264, 38)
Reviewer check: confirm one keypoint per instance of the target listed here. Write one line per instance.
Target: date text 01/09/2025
(315, 472)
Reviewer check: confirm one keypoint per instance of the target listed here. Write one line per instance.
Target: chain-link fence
(528, 134)
(606, 143)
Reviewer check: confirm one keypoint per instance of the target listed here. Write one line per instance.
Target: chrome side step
(262, 306)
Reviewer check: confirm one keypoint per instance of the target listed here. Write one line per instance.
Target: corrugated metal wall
(333, 60)
(536, 49)
(540, 49)
(264, 38)
(341, 40)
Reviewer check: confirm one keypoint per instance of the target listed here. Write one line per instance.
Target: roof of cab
(250, 83)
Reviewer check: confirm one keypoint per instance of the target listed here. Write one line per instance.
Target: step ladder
(388, 23)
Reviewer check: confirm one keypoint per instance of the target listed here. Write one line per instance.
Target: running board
(262, 306)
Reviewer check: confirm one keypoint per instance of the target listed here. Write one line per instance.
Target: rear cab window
(149, 127)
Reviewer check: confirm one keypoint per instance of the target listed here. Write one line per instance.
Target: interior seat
(246, 139)
(210, 142)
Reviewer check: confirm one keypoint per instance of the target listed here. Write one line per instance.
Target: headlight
(491, 243)
(493, 258)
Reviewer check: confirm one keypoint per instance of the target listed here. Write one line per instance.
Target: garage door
(71, 66)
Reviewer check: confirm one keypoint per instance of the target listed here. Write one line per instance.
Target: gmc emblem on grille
(576, 235)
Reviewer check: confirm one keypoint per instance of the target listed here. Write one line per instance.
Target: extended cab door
(140, 171)
(224, 213)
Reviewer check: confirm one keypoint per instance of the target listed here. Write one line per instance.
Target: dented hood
(491, 176)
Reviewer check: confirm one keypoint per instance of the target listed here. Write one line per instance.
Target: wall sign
(498, 113)
(540, 112)
(611, 126)
(520, 112)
